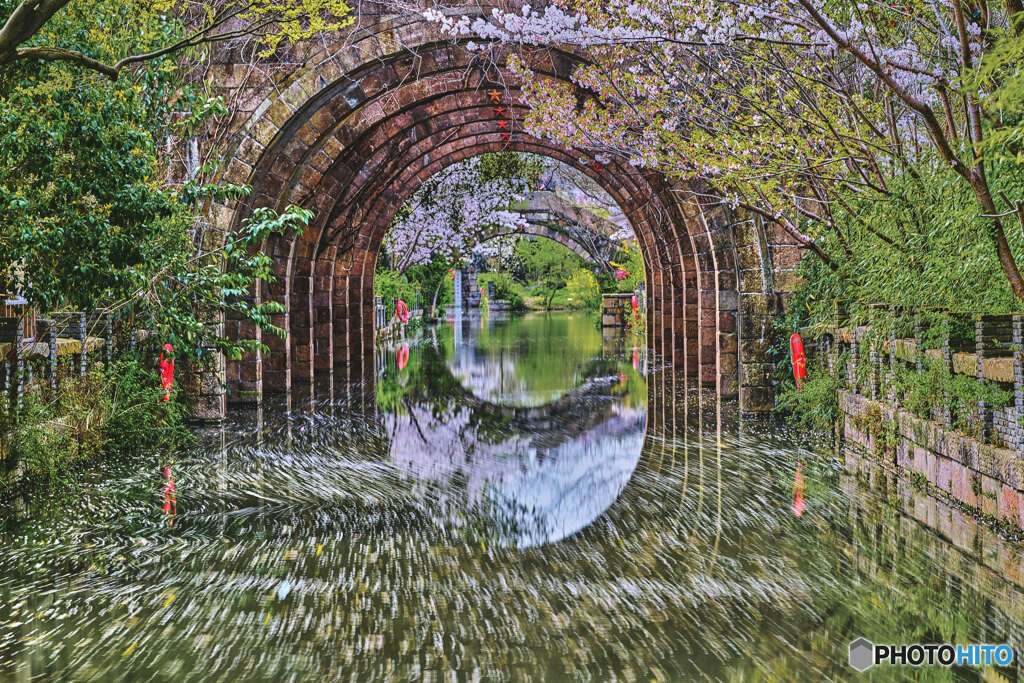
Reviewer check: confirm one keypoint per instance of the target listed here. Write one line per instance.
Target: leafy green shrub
(505, 289)
(390, 284)
(584, 290)
(816, 404)
(118, 414)
(935, 387)
(631, 260)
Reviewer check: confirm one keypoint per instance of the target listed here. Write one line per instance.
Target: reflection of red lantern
(796, 349)
(621, 274)
(402, 311)
(799, 489)
(636, 358)
(402, 356)
(170, 499)
(167, 371)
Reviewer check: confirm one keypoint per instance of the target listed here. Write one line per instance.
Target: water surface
(520, 499)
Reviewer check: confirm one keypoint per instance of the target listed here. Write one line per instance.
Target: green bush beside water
(106, 415)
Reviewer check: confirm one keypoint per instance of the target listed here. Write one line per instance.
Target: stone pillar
(491, 294)
(457, 289)
(892, 366)
(918, 351)
(984, 410)
(947, 364)
(826, 349)
(77, 330)
(614, 309)
(48, 335)
(875, 362)
(11, 332)
(470, 291)
(108, 341)
(854, 360)
(1018, 382)
(204, 382)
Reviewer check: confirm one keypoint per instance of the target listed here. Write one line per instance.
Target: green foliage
(999, 83)
(548, 264)
(584, 291)
(390, 285)
(934, 387)
(434, 282)
(81, 205)
(498, 165)
(629, 259)
(115, 414)
(183, 288)
(505, 288)
(942, 259)
(816, 404)
(85, 219)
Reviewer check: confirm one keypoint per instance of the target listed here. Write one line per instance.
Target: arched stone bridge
(577, 228)
(351, 126)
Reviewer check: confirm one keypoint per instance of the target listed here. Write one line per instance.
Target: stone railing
(61, 346)
(983, 470)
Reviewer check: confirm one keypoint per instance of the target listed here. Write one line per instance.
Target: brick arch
(412, 173)
(350, 135)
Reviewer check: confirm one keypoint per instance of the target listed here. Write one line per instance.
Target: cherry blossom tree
(783, 108)
(457, 210)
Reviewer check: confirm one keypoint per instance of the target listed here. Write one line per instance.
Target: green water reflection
(617, 531)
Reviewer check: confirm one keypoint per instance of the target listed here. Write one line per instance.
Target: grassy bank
(105, 416)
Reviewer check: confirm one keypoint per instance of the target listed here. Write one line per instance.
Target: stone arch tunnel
(353, 128)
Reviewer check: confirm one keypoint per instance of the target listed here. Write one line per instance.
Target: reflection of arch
(354, 131)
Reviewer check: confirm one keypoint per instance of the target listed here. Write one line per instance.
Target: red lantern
(167, 371)
(634, 303)
(796, 349)
(402, 311)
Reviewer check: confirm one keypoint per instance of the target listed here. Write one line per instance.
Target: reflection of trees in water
(526, 360)
(387, 584)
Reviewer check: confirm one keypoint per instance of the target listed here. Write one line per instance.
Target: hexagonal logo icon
(862, 654)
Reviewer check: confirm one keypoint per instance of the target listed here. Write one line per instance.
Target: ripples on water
(446, 524)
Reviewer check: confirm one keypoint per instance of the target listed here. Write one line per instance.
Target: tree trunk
(1003, 251)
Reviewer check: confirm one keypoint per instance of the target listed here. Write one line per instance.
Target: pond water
(520, 499)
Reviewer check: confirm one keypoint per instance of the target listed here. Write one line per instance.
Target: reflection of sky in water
(575, 482)
(539, 494)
